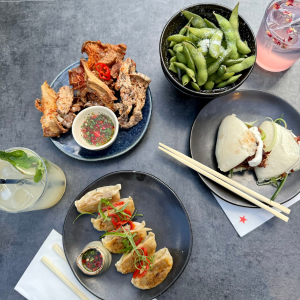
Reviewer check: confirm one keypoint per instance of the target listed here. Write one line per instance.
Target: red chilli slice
(276, 6)
(290, 3)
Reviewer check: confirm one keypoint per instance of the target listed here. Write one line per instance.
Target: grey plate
(125, 140)
(248, 106)
(163, 212)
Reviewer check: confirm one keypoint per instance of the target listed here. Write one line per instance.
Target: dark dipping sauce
(98, 130)
(92, 260)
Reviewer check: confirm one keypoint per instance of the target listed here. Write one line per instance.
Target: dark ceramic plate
(178, 21)
(163, 212)
(248, 106)
(125, 141)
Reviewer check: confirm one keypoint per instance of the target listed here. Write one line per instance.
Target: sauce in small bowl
(95, 128)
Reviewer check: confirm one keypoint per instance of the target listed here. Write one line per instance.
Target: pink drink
(278, 43)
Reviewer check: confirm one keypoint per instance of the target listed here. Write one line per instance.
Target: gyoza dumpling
(162, 265)
(107, 225)
(126, 263)
(90, 201)
(114, 243)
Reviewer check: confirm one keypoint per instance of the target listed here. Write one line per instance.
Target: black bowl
(174, 25)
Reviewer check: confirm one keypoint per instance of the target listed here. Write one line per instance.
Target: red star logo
(243, 219)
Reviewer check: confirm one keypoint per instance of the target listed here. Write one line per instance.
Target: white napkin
(245, 219)
(39, 283)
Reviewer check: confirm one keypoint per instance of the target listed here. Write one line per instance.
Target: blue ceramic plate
(125, 141)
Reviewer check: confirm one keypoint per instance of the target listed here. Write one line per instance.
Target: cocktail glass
(28, 195)
(278, 43)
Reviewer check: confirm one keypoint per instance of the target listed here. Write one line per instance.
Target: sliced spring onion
(279, 188)
(268, 182)
(281, 120)
(268, 149)
(85, 213)
(231, 173)
(250, 124)
(274, 181)
(270, 119)
(263, 134)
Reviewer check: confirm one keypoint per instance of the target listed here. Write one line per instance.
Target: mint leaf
(39, 172)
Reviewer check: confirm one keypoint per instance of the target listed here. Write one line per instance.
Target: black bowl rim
(202, 177)
(187, 90)
(181, 204)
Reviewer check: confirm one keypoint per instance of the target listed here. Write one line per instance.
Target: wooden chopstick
(226, 185)
(59, 251)
(230, 181)
(63, 278)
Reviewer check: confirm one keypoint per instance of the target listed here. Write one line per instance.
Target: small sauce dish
(95, 128)
(94, 259)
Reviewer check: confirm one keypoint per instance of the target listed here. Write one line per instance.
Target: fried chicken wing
(49, 109)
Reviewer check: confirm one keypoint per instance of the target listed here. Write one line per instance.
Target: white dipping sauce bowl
(82, 116)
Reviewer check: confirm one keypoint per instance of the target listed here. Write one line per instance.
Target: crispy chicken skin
(49, 109)
(64, 100)
(103, 53)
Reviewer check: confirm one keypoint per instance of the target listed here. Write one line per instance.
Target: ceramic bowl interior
(178, 21)
(82, 116)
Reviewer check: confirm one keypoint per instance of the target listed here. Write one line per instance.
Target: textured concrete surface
(40, 38)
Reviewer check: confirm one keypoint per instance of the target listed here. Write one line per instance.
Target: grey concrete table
(40, 38)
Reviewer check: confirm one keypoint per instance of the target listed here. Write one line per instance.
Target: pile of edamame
(206, 56)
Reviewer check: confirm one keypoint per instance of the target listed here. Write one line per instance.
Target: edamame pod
(188, 71)
(172, 44)
(178, 38)
(215, 66)
(173, 68)
(181, 57)
(229, 35)
(210, 24)
(200, 64)
(210, 60)
(223, 77)
(234, 21)
(212, 77)
(203, 45)
(184, 29)
(194, 38)
(185, 79)
(231, 62)
(196, 20)
(209, 85)
(173, 59)
(231, 80)
(195, 86)
(177, 46)
(172, 52)
(188, 56)
(203, 33)
(221, 71)
(245, 64)
(215, 43)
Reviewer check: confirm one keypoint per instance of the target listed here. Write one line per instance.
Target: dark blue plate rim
(109, 156)
(181, 204)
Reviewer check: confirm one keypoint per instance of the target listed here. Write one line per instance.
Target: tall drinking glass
(24, 194)
(278, 44)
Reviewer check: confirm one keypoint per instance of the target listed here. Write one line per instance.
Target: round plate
(248, 106)
(125, 141)
(163, 212)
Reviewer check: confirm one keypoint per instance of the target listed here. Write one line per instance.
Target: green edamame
(176, 46)
(179, 48)
(231, 80)
(181, 57)
(172, 52)
(215, 66)
(234, 21)
(188, 56)
(209, 85)
(245, 64)
(224, 44)
(242, 55)
(185, 79)
(194, 38)
(229, 35)
(210, 60)
(184, 29)
(210, 24)
(200, 64)
(195, 86)
(178, 38)
(188, 71)
(223, 77)
(173, 59)
(212, 77)
(203, 45)
(215, 43)
(173, 68)
(221, 71)
(196, 20)
(172, 44)
(203, 33)
(231, 62)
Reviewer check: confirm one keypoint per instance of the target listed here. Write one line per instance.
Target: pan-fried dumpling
(162, 265)
(126, 263)
(114, 243)
(90, 201)
(107, 225)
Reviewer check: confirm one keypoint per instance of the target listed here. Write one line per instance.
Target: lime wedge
(29, 172)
